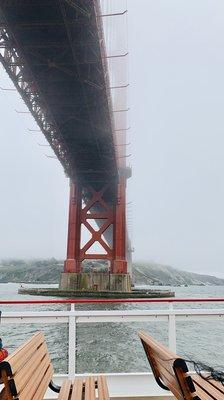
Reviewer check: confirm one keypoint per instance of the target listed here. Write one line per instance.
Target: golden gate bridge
(68, 59)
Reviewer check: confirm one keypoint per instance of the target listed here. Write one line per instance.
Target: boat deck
(121, 385)
(126, 386)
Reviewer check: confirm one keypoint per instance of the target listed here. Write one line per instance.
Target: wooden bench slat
(170, 382)
(207, 387)
(77, 389)
(24, 374)
(165, 367)
(31, 373)
(103, 393)
(202, 395)
(22, 354)
(172, 372)
(30, 389)
(217, 385)
(162, 361)
(39, 395)
(168, 378)
(90, 388)
(161, 350)
(65, 390)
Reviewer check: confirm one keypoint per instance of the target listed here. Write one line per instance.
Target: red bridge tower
(103, 216)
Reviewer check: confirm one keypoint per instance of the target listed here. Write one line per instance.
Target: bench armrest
(55, 388)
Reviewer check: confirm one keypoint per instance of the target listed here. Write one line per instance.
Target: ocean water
(115, 347)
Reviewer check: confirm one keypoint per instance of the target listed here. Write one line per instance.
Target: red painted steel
(108, 214)
(119, 264)
(106, 217)
(72, 262)
(99, 301)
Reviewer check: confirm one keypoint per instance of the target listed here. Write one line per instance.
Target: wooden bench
(27, 373)
(171, 373)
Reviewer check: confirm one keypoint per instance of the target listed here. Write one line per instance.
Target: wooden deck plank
(90, 391)
(103, 393)
(77, 389)
(65, 390)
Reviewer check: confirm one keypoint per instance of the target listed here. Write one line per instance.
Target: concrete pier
(95, 281)
(149, 293)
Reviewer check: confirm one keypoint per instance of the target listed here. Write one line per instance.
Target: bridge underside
(54, 52)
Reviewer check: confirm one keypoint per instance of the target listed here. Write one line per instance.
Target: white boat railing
(73, 317)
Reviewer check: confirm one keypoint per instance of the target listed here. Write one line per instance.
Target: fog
(176, 213)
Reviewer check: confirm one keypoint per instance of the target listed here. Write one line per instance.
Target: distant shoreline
(46, 272)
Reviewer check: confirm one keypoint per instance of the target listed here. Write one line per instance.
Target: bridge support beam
(119, 263)
(106, 240)
(72, 263)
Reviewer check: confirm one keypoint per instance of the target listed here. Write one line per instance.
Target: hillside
(153, 273)
(30, 271)
(48, 271)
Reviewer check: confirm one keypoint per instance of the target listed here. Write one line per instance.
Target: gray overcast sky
(177, 104)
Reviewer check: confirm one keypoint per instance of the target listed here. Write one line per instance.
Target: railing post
(72, 343)
(172, 329)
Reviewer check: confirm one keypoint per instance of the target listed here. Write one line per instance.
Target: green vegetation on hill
(157, 274)
(48, 271)
(31, 271)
